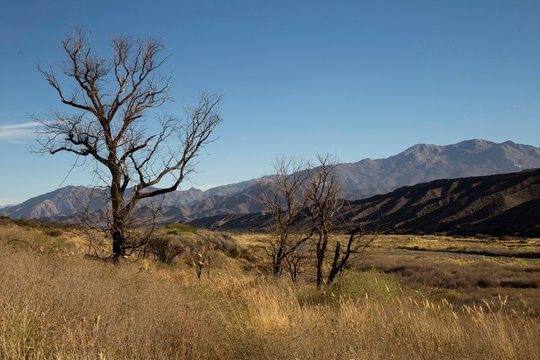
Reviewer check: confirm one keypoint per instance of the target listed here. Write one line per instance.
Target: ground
(407, 298)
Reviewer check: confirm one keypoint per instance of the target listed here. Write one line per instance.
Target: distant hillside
(70, 201)
(62, 202)
(420, 163)
(507, 204)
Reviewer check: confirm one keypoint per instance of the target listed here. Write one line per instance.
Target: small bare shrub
(297, 260)
(202, 258)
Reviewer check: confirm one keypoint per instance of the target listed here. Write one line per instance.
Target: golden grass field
(55, 304)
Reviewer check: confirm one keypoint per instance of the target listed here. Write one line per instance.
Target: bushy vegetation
(188, 244)
(57, 304)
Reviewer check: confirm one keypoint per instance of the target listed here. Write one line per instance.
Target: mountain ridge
(502, 204)
(362, 179)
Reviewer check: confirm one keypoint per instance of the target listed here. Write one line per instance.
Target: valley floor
(54, 304)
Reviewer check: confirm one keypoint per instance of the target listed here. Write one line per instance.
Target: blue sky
(353, 78)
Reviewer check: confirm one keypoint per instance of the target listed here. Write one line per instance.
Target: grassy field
(466, 271)
(54, 303)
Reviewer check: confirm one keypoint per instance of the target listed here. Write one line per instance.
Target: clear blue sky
(353, 78)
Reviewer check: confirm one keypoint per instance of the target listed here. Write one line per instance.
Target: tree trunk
(118, 245)
(118, 218)
(320, 260)
(321, 253)
(336, 268)
(276, 266)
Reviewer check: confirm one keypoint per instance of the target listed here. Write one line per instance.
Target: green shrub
(182, 228)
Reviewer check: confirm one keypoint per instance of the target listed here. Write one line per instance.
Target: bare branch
(285, 201)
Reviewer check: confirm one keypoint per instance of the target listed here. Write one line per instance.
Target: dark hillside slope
(507, 204)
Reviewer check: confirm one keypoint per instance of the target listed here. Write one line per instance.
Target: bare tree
(286, 202)
(110, 99)
(324, 205)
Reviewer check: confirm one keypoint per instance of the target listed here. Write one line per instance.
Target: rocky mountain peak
(418, 164)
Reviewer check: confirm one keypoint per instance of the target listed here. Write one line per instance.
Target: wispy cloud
(5, 202)
(18, 133)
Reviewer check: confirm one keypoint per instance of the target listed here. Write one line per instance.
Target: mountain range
(418, 164)
(504, 204)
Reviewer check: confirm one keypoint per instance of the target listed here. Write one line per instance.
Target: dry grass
(73, 308)
(61, 306)
(395, 328)
(481, 245)
(462, 274)
(42, 237)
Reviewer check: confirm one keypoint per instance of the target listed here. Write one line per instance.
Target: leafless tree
(306, 202)
(286, 202)
(110, 99)
(325, 202)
